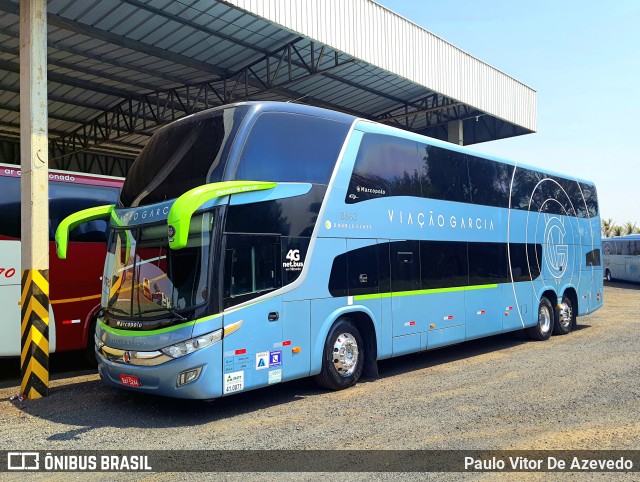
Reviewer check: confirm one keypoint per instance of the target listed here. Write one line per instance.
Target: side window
(384, 166)
(526, 260)
(488, 263)
(591, 198)
(338, 277)
(525, 183)
(490, 182)
(10, 206)
(593, 258)
(405, 266)
(65, 199)
(444, 174)
(252, 267)
(444, 264)
(362, 267)
(285, 147)
(361, 271)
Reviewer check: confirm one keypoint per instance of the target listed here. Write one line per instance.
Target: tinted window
(252, 267)
(490, 182)
(338, 277)
(444, 264)
(444, 174)
(362, 266)
(593, 258)
(186, 154)
(525, 261)
(291, 148)
(10, 207)
(384, 268)
(66, 199)
(487, 263)
(405, 266)
(384, 166)
(525, 183)
(591, 199)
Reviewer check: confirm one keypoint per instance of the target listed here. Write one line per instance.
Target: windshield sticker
(234, 382)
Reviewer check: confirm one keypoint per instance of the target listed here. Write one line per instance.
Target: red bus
(75, 283)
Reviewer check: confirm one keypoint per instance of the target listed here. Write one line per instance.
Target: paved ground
(579, 391)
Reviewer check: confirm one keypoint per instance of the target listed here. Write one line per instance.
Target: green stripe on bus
(115, 331)
(424, 292)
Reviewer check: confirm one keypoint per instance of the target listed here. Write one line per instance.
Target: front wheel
(542, 330)
(343, 356)
(565, 317)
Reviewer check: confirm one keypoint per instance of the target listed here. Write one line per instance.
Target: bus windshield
(143, 278)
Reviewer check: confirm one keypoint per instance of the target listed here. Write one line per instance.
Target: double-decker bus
(261, 242)
(622, 258)
(74, 283)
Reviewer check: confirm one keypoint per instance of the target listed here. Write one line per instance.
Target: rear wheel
(343, 356)
(565, 317)
(542, 330)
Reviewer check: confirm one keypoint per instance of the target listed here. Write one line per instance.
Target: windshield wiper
(173, 311)
(112, 310)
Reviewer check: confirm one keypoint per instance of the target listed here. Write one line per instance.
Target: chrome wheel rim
(345, 354)
(566, 315)
(544, 318)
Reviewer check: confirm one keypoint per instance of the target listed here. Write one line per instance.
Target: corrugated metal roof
(119, 69)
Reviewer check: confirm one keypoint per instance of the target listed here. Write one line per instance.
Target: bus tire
(607, 275)
(565, 317)
(90, 348)
(544, 327)
(343, 356)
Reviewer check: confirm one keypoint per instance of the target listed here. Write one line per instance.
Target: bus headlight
(194, 344)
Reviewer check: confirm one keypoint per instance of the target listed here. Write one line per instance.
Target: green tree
(629, 228)
(616, 231)
(607, 227)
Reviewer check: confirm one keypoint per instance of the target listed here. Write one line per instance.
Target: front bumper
(162, 379)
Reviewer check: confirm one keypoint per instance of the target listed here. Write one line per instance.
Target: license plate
(130, 381)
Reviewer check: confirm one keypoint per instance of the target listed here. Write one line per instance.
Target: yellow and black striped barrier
(34, 358)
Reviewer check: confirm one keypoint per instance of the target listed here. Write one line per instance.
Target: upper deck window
(286, 147)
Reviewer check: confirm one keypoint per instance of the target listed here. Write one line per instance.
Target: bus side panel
(483, 312)
(296, 328)
(519, 307)
(250, 348)
(10, 294)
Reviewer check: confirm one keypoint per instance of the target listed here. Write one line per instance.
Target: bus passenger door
(252, 270)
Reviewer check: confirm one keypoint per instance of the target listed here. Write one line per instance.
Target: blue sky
(583, 59)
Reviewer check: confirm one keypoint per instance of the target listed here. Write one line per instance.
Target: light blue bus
(622, 258)
(262, 242)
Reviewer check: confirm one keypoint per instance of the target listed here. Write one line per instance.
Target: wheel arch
(363, 319)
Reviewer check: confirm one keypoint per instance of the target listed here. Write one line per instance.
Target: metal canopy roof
(119, 69)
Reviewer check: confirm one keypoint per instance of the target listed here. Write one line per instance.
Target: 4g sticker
(294, 263)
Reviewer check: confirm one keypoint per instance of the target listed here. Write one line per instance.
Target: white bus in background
(622, 258)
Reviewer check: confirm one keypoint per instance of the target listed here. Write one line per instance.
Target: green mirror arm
(76, 219)
(182, 210)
